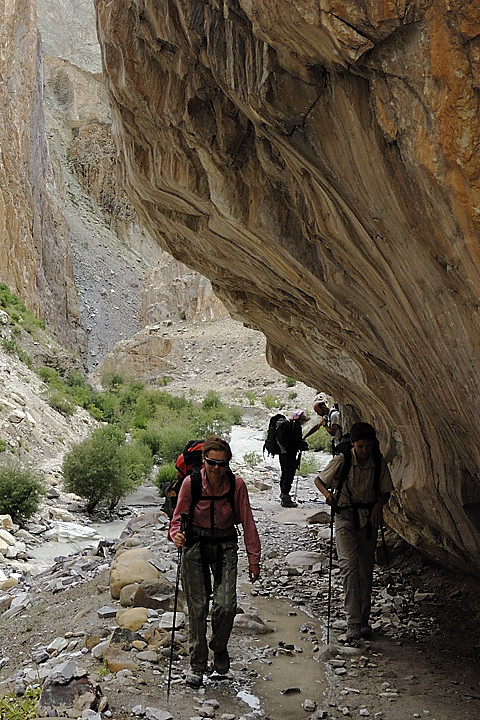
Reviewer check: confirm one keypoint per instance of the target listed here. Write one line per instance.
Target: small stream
(288, 677)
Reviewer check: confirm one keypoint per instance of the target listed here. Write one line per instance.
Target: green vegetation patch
(21, 490)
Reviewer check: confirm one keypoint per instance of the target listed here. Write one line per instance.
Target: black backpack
(271, 443)
(343, 445)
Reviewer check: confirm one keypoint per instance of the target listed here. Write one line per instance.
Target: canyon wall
(34, 253)
(318, 162)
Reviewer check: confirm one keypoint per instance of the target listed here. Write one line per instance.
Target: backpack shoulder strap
(347, 464)
(196, 489)
(377, 473)
(378, 460)
(231, 491)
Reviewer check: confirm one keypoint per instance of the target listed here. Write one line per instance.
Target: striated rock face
(34, 256)
(318, 161)
(172, 290)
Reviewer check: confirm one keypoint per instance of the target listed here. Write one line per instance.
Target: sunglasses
(220, 463)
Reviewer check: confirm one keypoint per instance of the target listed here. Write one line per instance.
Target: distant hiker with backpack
(291, 443)
(210, 548)
(357, 484)
(334, 426)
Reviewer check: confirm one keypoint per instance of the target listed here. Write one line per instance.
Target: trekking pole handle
(183, 522)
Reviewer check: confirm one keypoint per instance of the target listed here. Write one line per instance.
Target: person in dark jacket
(291, 442)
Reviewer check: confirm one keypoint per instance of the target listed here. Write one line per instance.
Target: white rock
(166, 621)
(64, 531)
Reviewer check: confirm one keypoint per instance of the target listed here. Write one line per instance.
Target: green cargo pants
(203, 560)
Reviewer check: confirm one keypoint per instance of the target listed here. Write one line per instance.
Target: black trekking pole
(330, 563)
(299, 460)
(384, 543)
(183, 525)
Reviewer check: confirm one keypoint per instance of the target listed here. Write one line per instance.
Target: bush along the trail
(21, 490)
(103, 468)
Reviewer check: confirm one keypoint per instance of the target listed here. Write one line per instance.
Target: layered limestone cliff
(111, 251)
(319, 162)
(34, 254)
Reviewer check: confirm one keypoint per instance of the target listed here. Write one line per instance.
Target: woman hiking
(210, 553)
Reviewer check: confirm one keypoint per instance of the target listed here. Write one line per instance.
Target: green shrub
(17, 311)
(251, 396)
(10, 346)
(21, 490)
(292, 395)
(10, 302)
(50, 377)
(307, 465)
(150, 437)
(218, 421)
(102, 468)
(138, 462)
(61, 404)
(13, 707)
(320, 441)
(290, 382)
(211, 400)
(252, 458)
(166, 474)
(270, 401)
(173, 439)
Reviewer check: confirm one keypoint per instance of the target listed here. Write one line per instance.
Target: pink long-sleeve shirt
(223, 515)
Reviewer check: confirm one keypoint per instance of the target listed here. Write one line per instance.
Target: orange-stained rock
(35, 257)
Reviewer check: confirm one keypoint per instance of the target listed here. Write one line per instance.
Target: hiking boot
(194, 678)
(287, 501)
(365, 630)
(221, 662)
(353, 634)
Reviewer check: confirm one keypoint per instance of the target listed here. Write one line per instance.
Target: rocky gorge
(319, 170)
(318, 162)
(327, 192)
(86, 602)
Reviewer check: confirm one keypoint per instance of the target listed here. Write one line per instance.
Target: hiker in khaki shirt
(358, 506)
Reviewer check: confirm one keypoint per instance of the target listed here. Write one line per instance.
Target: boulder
(132, 618)
(131, 566)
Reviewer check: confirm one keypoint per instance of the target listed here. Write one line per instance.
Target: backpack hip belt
(355, 507)
(206, 535)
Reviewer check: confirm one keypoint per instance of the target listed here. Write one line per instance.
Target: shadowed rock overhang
(319, 162)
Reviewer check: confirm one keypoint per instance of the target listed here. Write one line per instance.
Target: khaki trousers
(201, 563)
(356, 557)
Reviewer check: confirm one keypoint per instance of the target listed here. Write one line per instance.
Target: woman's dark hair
(362, 431)
(215, 442)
